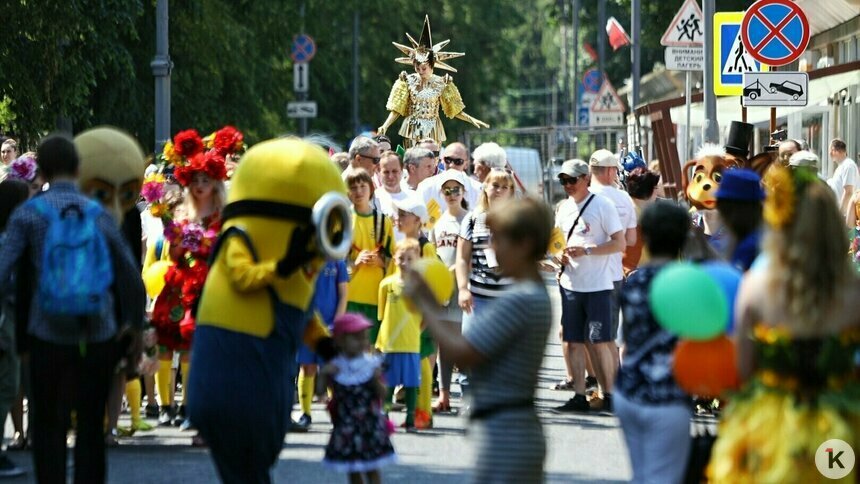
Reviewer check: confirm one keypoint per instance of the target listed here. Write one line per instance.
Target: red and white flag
(617, 36)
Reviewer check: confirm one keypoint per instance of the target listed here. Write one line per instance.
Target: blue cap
(740, 184)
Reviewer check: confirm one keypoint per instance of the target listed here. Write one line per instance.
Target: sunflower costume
(806, 391)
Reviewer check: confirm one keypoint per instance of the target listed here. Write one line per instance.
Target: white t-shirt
(845, 175)
(588, 273)
(386, 205)
(626, 213)
(445, 235)
(429, 189)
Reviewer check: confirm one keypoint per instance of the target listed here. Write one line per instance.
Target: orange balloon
(706, 368)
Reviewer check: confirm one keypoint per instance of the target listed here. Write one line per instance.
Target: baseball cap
(413, 205)
(449, 175)
(742, 185)
(350, 323)
(574, 168)
(803, 158)
(603, 158)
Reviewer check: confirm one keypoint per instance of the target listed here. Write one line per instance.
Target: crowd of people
(148, 237)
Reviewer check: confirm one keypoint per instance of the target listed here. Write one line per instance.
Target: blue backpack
(77, 271)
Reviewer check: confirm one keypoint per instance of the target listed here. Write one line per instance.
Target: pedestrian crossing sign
(731, 60)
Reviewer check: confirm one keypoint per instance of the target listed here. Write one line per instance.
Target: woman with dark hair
(641, 186)
(654, 412)
(12, 194)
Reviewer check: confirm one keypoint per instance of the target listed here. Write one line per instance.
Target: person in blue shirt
(739, 202)
(330, 302)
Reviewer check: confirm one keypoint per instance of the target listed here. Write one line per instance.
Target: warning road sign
(687, 28)
(775, 89)
(607, 108)
(731, 59)
(775, 32)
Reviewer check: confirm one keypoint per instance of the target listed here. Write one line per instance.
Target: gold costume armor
(419, 105)
(418, 99)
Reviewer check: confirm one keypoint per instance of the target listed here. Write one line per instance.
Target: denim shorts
(586, 316)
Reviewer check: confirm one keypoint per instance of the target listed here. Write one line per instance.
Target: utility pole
(562, 5)
(601, 36)
(636, 56)
(303, 96)
(161, 67)
(574, 105)
(711, 131)
(355, 76)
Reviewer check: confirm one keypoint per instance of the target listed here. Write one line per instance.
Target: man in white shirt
(593, 232)
(604, 172)
(391, 171)
(420, 165)
(363, 153)
(845, 178)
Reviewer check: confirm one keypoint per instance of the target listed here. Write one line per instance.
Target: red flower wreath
(187, 143)
(211, 163)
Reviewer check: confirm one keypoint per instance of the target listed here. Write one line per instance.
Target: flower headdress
(424, 50)
(23, 168)
(782, 186)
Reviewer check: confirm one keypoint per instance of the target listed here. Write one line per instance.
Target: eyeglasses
(374, 158)
(436, 155)
(566, 180)
(451, 192)
(453, 161)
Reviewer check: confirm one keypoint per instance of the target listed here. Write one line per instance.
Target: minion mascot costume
(286, 211)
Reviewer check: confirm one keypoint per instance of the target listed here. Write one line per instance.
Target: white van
(526, 163)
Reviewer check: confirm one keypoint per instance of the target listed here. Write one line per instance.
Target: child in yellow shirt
(373, 236)
(400, 333)
(411, 215)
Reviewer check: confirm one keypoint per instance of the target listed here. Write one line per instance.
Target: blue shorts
(402, 369)
(586, 316)
(307, 357)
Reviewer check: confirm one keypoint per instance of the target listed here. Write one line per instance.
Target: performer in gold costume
(417, 97)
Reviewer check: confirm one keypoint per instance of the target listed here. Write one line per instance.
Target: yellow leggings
(425, 390)
(165, 384)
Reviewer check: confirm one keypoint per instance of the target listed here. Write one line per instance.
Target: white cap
(803, 158)
(449, 175)
(603, 158)
(413, 205)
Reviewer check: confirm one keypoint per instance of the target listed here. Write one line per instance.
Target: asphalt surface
(580, 448)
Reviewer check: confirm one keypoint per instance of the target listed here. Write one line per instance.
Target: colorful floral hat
(23, 168)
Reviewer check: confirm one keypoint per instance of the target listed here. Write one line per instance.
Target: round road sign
(775, 32)
(303, 49)
(592, 80)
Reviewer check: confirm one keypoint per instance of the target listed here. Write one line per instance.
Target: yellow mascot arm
(317, 338)
(245, 274)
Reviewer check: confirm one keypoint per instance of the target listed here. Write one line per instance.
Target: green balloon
(686, 301)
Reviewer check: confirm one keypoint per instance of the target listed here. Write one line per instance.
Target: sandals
(563, 385)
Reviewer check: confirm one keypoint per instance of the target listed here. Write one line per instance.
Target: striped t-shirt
(511, 334)
(484, 279)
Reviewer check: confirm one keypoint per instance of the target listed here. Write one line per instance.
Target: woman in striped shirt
(478, 276)
(503, 347)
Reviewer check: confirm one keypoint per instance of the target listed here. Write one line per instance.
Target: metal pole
(636, 54)
(711, 131)
(564, 56)
(601, 35)
(686, 141)
(303, 122)
(161, 68)
(355, 119)
(574, 105)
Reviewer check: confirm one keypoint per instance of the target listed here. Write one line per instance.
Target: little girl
(359, 443)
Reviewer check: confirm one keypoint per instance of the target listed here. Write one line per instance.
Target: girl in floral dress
(359, 443)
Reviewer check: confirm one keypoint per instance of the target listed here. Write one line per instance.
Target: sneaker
(151, 410)
(562, 385)
(186, 425)
(296, 427)
(167, 416)
(305, 421)
(577, 404)
(179, 418)
(607, 402)
(8, 468)
(591, 384)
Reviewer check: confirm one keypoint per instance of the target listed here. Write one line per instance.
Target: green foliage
(88, 61)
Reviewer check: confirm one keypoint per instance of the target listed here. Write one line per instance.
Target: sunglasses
(453, 161)
(450, 192)
(375, 159)
(566, 180)
(436, 155)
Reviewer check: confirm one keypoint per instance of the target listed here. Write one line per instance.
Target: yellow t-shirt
(428, 250)
(364, 280)
(401, 327)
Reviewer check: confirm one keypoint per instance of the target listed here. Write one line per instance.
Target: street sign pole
(686, 144)
(711, 131)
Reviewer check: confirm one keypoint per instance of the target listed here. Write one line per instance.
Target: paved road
(586, 448)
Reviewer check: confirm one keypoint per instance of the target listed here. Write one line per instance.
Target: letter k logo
(834, 459)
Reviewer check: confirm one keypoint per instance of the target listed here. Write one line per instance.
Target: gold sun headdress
(424, 50)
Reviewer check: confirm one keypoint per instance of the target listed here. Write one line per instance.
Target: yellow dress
(419, 105)
(805, 392)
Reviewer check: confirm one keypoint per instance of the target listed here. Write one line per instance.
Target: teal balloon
(688, 302)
